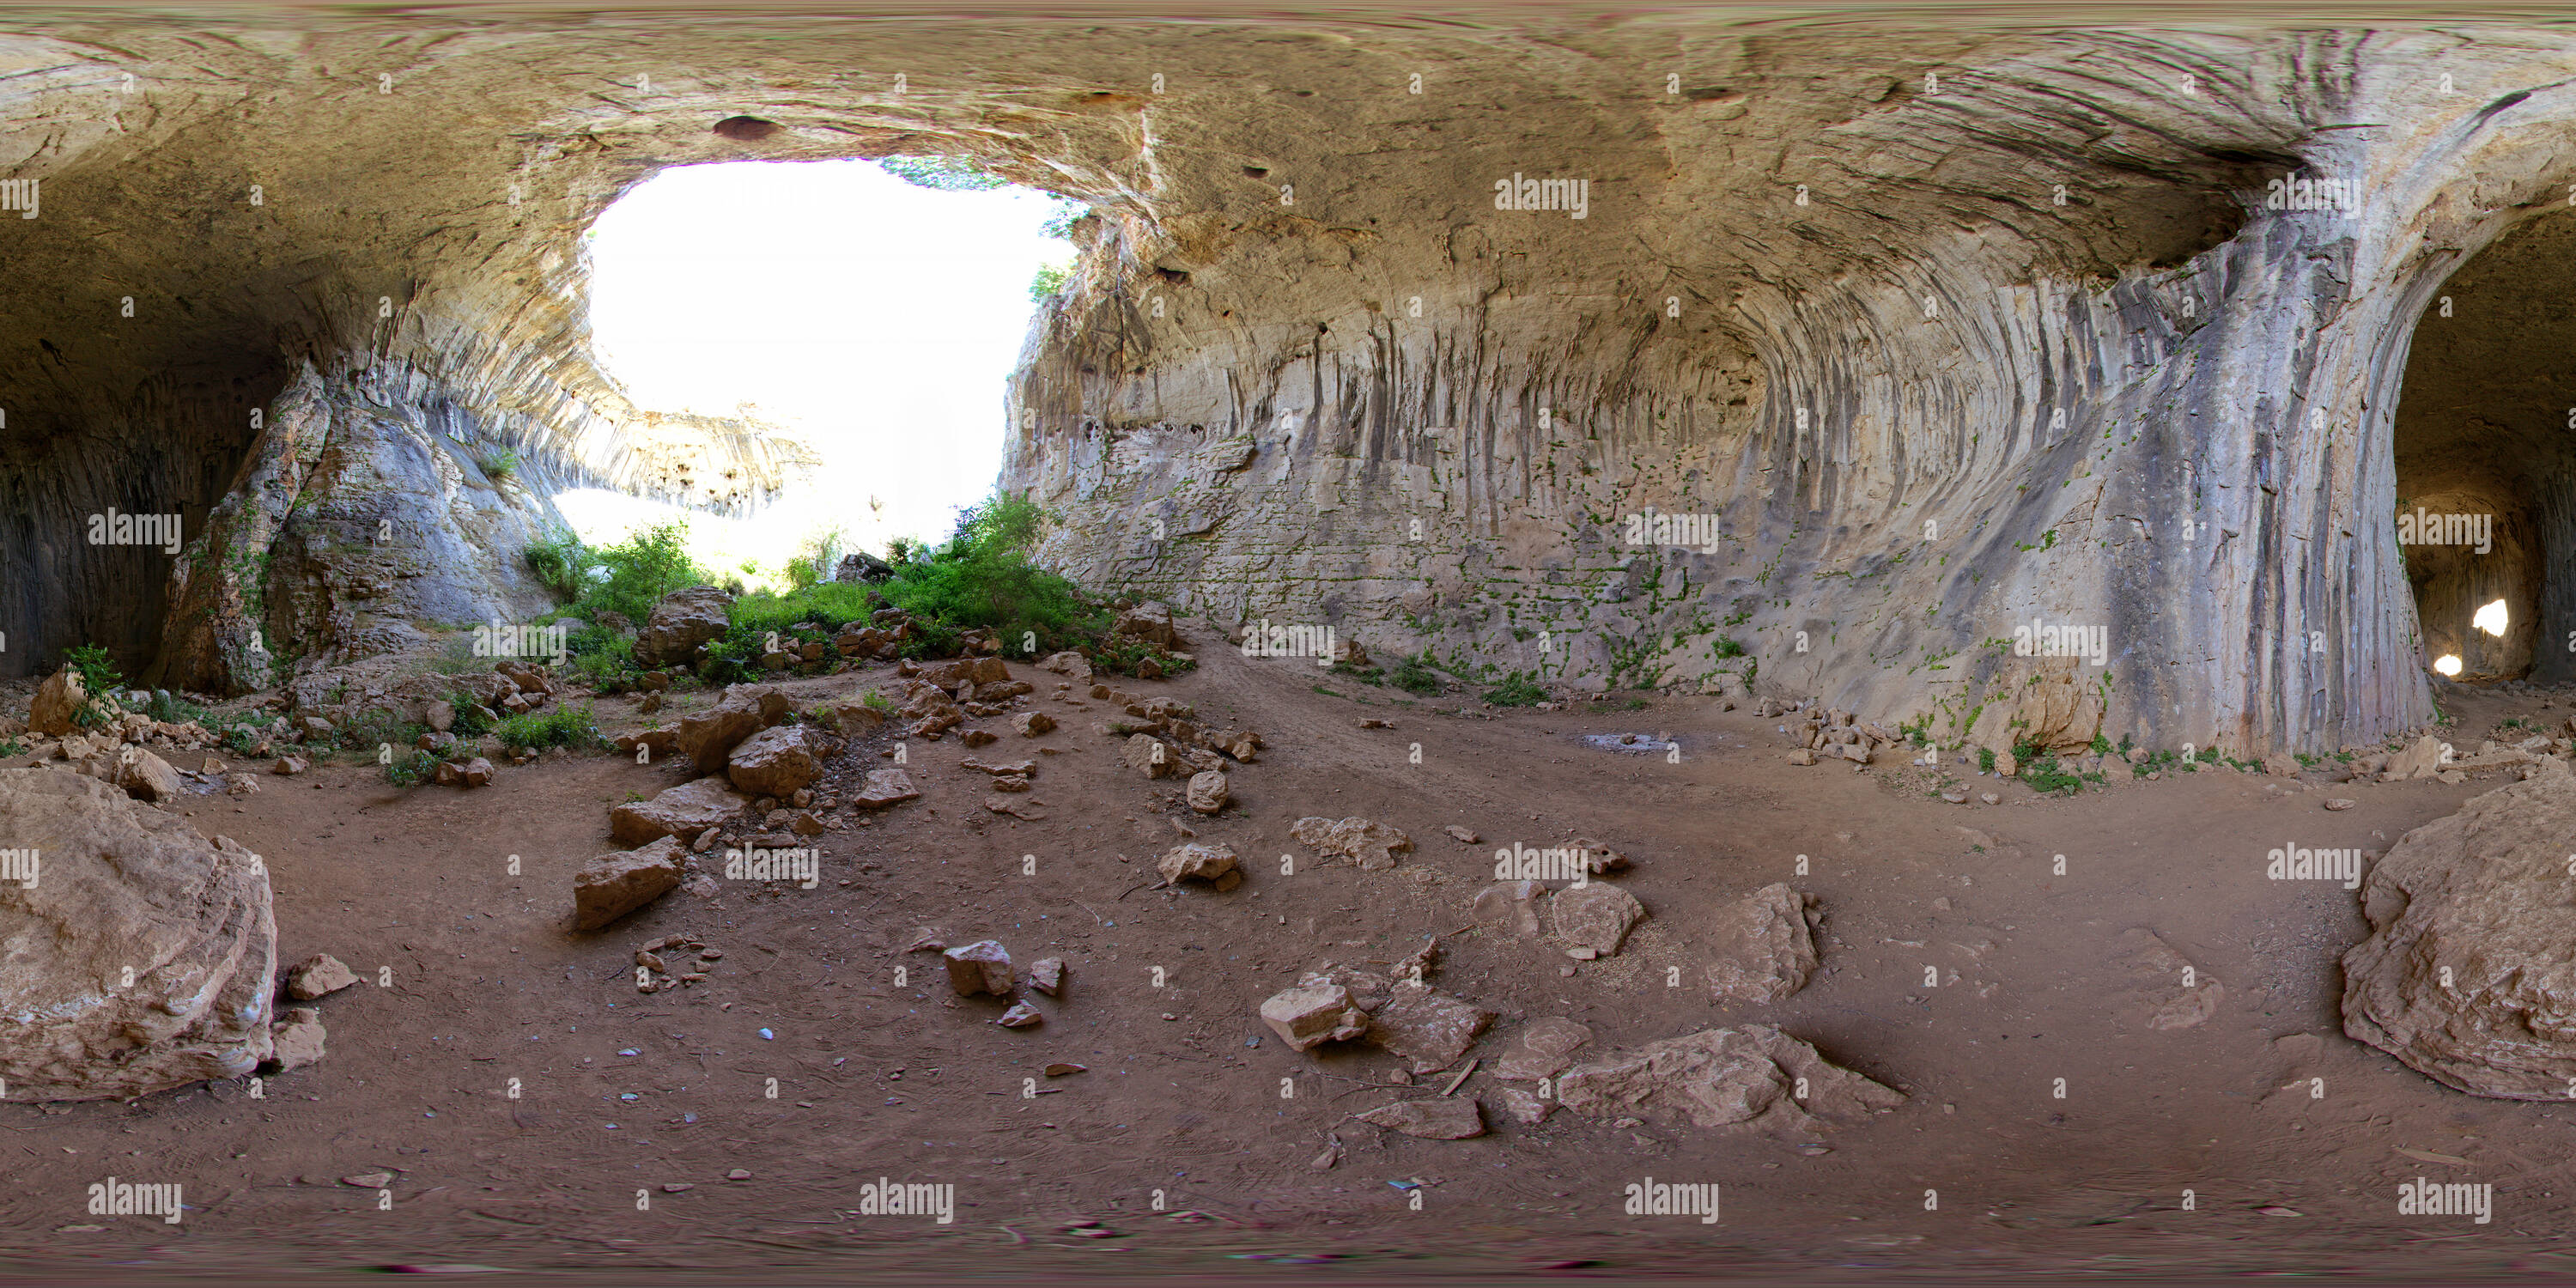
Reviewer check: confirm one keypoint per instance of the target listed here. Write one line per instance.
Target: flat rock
(1764, 946)
(777, 761)
(1046, 975)
(1595, 916)
(1720, 1077)
(1021, 1016)
(683, 811)
(1373, 846)
(1460, 834)
(318, 976)
(1543, 1048)
(1310, 1014)
(125, 886)
(1431, 1029)
(884, 787)
(980, 967)
(1197, 861)
(2479, 895)
(1439, 1118)
(1510, 904)
(613, 885)
(2172, 993)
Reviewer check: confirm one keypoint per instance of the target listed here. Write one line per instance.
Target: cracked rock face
(1841, 325)
(2469, 975)
(142, 956)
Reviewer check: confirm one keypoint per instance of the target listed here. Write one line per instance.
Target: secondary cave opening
(2486, 462)
(871, 312)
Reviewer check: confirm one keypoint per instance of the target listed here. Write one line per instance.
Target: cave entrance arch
(2486, 460)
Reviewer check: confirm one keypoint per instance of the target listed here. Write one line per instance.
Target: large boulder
(121, 888)
(1150, 622)
(683, 811)
(710, 736)
(774, 762)
(57, 705)
(2469, 974)
(1719, 1077)
(1765, 948)
(683, 620)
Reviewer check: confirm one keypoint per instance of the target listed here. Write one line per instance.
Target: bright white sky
(873, 318)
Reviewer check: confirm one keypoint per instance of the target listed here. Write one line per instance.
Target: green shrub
(499, 464)
(562, 562)
(876, 701)
(469, 721)
(412, 770)
(637, 573)
(12, 747)
(982, 577)
(1123, 654)
(170, 708)
(240, 738)
(457, 657)
(1725, 647)
(99, 677)
(1414, 675)
(1049, 282)
(1986, 759)
(1516, 690)
(603, 659)
(560, 726)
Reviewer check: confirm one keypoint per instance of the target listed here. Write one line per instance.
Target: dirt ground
(2290, 1138)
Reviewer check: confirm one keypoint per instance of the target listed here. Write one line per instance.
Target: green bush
(239, 739)
(639, 572)
(982, 577)
(412, 770)
(562, 562)
(1725, 647)
(1516, 690)
(1049, 282)
(99, 677)
(560, 726)
(1986, 759)
(1414, 675)
(12, 747)
(603, 659)
(499, 464)
(469, 721)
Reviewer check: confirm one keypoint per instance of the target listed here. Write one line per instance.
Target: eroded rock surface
(124, 887)
(1720, 1077)
(2469, 974)
(1764, 946)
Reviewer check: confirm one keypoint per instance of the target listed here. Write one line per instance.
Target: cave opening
(868, 311)
(2486, 465)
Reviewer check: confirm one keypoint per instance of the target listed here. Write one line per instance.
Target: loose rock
(684, 811)
(980, 967)
(1719, 1077)
(884, 787)
(317, 976)
(1440, 1118)
(613, 885)
(1208, 792)
(1373, 846)
(1314, 1013)
(1595, 916)
(1197, 860)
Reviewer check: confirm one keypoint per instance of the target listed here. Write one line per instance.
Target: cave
(2483, 460)
(1580, 610)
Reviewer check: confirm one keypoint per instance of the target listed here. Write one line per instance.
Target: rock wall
(1927, 337)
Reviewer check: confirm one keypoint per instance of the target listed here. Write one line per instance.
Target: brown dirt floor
(876, 1079)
